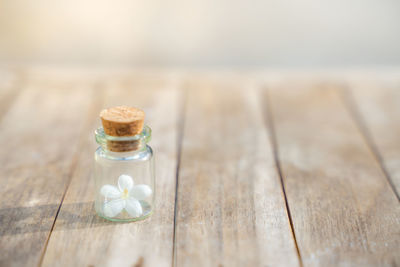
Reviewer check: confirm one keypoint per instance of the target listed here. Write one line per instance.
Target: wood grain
(344, 212)
(39, 135)
(230, 209)
(80, 237)
(377, 110)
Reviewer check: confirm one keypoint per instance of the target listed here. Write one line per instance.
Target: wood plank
(230, 209)
(376, 107)
(39, 136)
(11, 83)
(80, 237)
(344, 212)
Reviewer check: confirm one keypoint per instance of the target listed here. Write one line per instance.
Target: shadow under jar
(124, 176)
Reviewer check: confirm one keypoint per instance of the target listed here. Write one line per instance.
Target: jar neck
(123, 144)
(138, 154)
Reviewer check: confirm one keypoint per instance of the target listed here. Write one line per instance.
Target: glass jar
(124, 176)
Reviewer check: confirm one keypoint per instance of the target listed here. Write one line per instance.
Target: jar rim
(102, 137)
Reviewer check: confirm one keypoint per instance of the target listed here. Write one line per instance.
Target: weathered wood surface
(377, 107)
(39, 133)
(230, 210)
(11, 84)
(103, 243)
(291, 174)
(343, 209)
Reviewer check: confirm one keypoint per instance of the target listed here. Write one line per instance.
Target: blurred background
(207, 33)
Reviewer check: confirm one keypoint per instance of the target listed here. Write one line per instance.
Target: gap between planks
(181, 125)
(351, 106)
(269, 121)
(98, 96)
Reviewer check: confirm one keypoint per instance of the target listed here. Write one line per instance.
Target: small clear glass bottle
(124, 176)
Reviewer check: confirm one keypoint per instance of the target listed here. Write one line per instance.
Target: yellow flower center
(125, 194)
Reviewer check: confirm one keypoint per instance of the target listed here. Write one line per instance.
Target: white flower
(125, 196)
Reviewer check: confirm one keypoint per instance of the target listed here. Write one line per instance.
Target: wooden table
(253, 168)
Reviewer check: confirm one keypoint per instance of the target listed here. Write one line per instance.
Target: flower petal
(141, 191)
(114, 207)
(133, 207)
(110, 191)
(125, 182)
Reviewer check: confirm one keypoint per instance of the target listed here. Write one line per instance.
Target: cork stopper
(122, 121)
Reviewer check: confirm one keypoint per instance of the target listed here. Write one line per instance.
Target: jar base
(143, 217)
(124, 217)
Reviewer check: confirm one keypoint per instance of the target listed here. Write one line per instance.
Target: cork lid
(122, 121)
